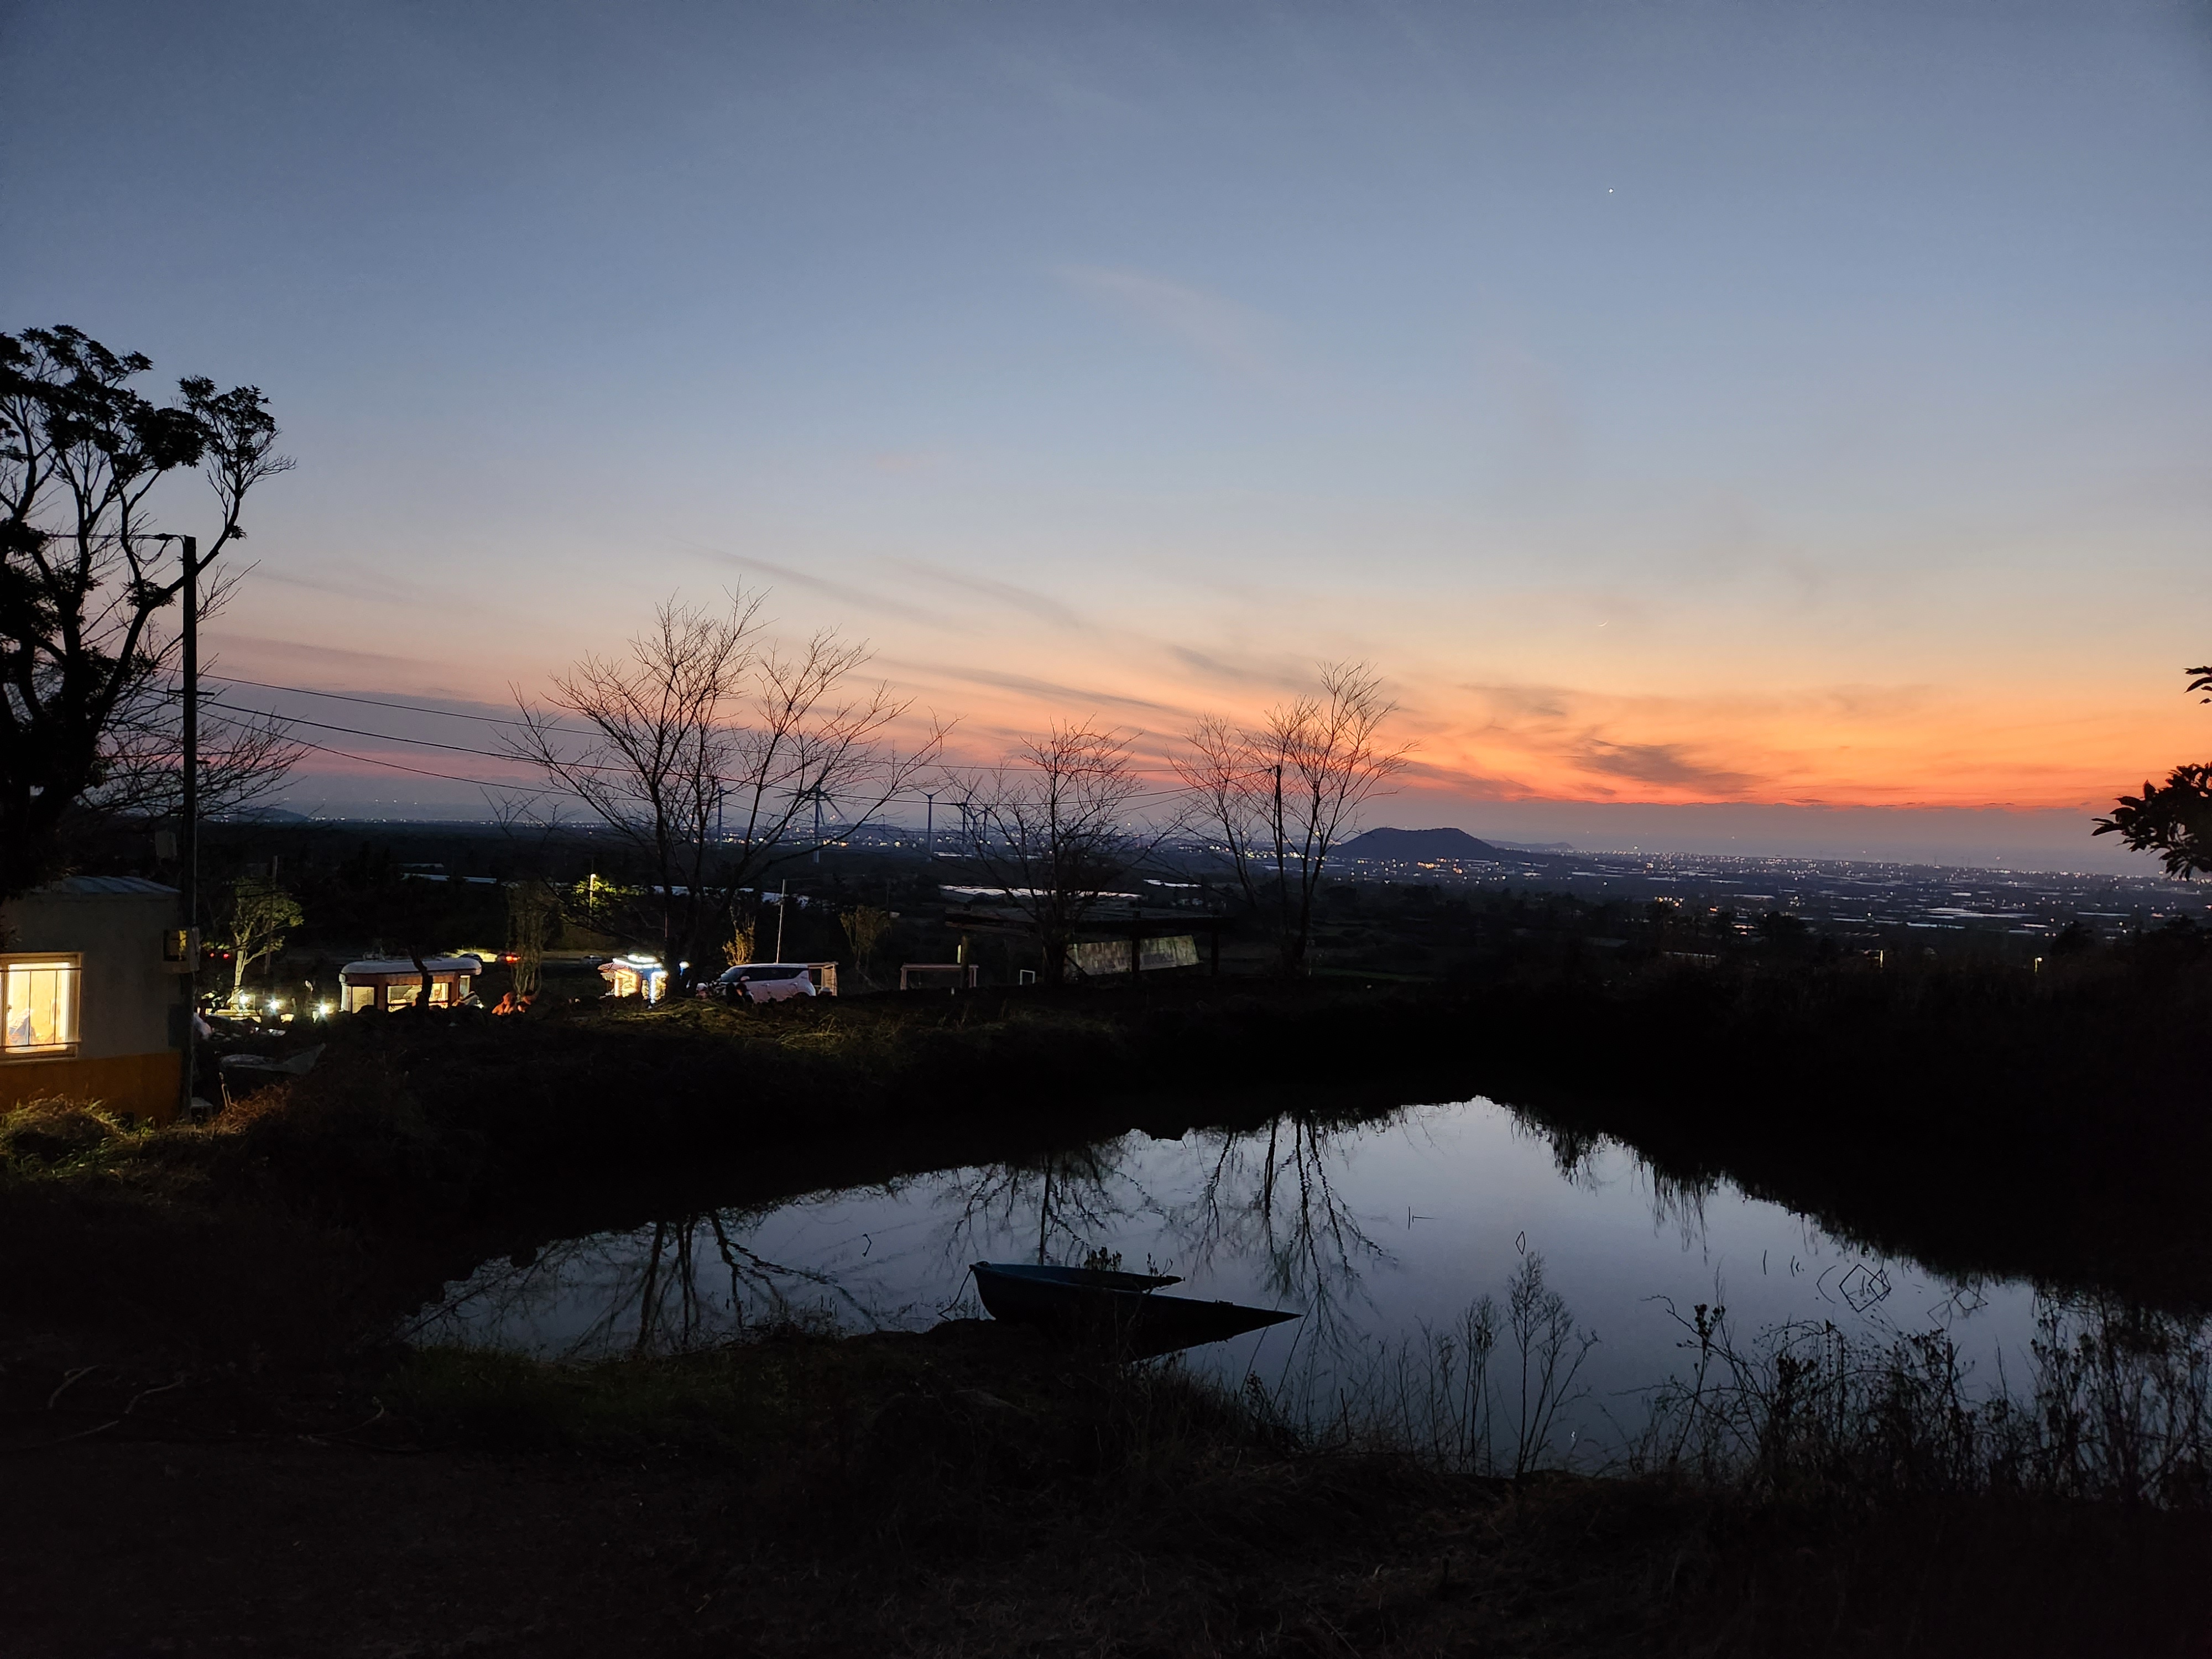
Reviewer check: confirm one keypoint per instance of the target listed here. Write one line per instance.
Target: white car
(763, 981)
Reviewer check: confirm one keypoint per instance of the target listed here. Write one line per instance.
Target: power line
(386, 737)
(485, 720)
(463, 749)
(431, 743)
(379, 702)
(492, 754)
(480, 783)
(489, 754)
(420, 772)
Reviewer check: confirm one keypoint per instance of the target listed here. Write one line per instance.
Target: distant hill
(1416, 846)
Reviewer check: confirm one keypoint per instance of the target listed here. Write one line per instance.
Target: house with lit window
(87, 1002)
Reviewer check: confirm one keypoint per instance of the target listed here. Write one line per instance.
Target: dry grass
(61, 1137)
(968, 1493)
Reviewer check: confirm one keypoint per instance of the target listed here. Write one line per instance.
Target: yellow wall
(144, 1084)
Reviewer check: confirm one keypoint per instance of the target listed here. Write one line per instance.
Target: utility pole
(1282, 875)
(817, 831)
(782, 903)
(188, 838)
(929, 824)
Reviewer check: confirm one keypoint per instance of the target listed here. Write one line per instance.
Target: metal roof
(402, 965)
(103, 887)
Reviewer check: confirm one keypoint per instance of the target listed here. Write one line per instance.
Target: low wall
(143, 1084)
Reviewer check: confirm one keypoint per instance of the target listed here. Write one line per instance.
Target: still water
(1375, 1234)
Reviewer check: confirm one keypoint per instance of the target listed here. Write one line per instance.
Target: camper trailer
(385, 983)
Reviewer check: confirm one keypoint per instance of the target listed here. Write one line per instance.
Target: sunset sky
(1728, 427)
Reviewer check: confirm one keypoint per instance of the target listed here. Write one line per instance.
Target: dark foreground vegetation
(214, 1445)
(962, 1492)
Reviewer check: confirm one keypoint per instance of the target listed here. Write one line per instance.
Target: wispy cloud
(860, 598)
(392, 590)
(1546, 702)
(1027, 600)
(1220, 330)
(1067, 699)
(1242, 675)
(1470, 782)
(385, 668)
(1667, 764)
(1873, 703)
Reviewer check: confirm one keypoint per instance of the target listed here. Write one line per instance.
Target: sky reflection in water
(1372, 1232)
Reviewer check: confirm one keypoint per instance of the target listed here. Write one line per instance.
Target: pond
(1380, 1235)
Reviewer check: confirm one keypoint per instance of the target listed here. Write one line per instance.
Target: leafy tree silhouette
(2172, 819)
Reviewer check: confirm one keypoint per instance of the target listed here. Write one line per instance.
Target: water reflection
(1275, 1198)
(1380, 1234)
(1080, 1199)
(1583, 1159)
(1270, 1200)
(672, 1285)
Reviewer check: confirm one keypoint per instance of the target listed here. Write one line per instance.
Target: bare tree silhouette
(707, 748)
(1281, 795)
(1051, 831)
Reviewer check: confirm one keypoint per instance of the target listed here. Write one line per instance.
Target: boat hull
(1092, 1308)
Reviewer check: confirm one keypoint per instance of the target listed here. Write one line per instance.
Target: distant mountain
(1416, 846)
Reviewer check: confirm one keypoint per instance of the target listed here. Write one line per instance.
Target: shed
(384, 983)
(90, 1005)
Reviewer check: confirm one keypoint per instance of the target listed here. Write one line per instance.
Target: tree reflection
(1677, 1201)
(670, 1286)
(1269, 1201)
(1073, 1204)
(1272, 1196)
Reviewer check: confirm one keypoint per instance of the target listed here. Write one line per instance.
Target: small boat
(1120, 1309)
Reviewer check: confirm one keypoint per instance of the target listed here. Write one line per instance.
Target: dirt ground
(900, 1509)
(297, 1549)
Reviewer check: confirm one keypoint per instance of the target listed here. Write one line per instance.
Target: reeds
(2116, 1407)
(1485, 1395)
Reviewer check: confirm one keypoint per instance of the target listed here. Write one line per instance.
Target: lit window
(38, 1005)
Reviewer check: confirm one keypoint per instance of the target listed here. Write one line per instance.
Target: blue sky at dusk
(1726, 426)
